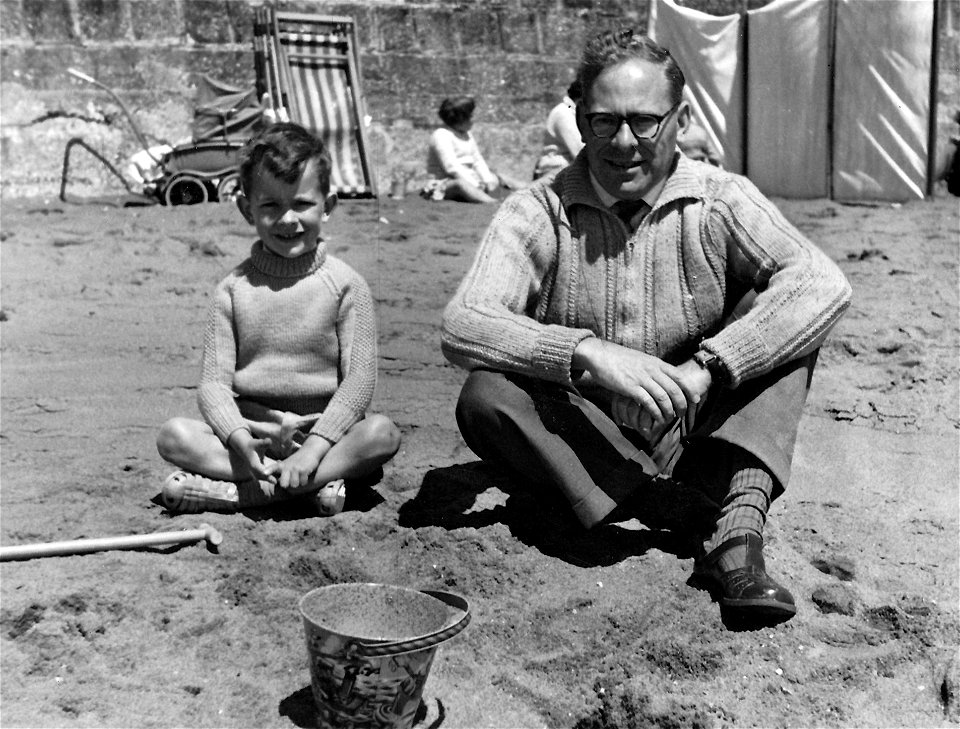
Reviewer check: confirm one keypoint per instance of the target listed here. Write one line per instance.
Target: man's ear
(243, 205)
(329, 204)
(582, 121)
(684, 117)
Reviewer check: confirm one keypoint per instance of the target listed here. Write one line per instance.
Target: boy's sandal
(329, 499)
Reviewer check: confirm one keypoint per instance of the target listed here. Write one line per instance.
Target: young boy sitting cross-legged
(289, 355)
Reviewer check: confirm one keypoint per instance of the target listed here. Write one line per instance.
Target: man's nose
(624, 136)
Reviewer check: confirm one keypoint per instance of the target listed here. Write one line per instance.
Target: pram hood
(223, 113)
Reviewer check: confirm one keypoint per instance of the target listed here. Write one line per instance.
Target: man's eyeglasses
(642, 126)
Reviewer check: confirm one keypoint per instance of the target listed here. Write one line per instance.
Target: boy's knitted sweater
(556, 266)
(296, 335)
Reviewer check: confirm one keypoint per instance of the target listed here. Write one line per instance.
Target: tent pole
(745, 55)
(932, 127)
(831, 88)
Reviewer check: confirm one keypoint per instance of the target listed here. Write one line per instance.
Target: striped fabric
(311, 74)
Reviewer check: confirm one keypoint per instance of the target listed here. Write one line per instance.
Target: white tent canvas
(789, 123)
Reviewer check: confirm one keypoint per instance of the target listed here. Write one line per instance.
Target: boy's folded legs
(192, 493)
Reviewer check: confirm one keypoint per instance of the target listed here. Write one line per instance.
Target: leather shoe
(748, 589)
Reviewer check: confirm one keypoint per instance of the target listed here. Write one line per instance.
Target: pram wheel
(185, 190)
(229, 188)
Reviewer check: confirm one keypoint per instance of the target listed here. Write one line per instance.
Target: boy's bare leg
(366, 445)
(193, 446)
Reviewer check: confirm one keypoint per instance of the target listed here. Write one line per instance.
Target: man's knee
(480, 396)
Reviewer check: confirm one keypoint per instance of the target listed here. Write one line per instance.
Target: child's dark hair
(456, 110)
(283, 150)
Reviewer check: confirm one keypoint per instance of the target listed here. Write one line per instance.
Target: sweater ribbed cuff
(554, 352)
(742, 351)
(334, 422)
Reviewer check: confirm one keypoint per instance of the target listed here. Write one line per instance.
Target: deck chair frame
(300, 60)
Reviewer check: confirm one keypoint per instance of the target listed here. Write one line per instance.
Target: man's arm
(490, 321)
(801, 292)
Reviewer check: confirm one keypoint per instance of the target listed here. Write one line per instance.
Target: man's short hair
(456, 110)
(615, 46)
(283, 150)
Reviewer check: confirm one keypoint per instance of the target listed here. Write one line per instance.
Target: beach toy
(371, 647)
(133, 541)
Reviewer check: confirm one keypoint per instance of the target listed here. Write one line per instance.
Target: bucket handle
(370, 650)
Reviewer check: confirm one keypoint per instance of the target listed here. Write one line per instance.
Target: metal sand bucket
(371, 647)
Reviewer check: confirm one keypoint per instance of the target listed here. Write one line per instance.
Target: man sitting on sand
(643, 315)
(289, 356)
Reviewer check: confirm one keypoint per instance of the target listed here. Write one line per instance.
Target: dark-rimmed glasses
(605, 125)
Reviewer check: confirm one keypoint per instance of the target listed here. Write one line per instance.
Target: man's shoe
(748, 590)
(191, 493)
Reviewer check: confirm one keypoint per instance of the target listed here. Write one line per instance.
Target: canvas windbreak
(761, 86)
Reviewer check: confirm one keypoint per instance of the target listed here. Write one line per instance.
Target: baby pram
(203, 169)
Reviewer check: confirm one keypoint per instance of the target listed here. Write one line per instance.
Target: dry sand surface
(103, 310)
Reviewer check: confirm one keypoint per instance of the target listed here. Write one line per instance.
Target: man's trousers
(553, 435)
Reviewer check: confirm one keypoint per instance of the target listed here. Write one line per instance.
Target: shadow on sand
(536, 516)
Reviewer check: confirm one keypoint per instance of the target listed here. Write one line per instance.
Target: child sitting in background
(289, 355)
(454, 163)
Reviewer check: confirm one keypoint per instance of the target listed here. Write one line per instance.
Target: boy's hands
(251, 450)
(296, 470)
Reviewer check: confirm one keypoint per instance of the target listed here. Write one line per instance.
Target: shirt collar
(581, 187)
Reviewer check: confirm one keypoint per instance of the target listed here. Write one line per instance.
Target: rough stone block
(103, 20)
(396, 30)
(521, 31)
(436, 31)
(11, 20)
(479, 30)
(214, 21)
(155, 20)
(49, 21)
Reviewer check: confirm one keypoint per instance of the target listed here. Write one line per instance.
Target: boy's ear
(329, 204)
(243, 205)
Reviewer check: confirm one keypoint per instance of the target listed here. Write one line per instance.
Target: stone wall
(515, 56)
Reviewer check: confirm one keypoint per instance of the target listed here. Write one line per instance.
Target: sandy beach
(103, 309)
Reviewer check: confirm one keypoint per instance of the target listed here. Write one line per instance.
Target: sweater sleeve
(801, 291)
(357, 337)
(490, 322)
(215, 395)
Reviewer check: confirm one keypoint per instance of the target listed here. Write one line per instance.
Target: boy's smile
(287, 215)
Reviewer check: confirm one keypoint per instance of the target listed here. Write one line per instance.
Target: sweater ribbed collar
(271, 264)
(576, 187)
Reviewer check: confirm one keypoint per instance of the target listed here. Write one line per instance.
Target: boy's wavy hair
(457, 110)
(283, 150)
(614, 46)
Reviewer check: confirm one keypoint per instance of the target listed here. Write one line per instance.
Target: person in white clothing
(561, 136)
(456, 167)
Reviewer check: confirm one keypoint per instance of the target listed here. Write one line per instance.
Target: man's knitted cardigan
(555, 267)
(296, 335)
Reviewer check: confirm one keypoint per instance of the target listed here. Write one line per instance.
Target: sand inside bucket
(374, 612)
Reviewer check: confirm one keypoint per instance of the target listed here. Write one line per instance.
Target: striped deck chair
(309, 67)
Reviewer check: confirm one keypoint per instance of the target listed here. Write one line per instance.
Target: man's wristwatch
(710, 362)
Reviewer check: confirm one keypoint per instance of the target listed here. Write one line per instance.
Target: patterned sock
(744, 508)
